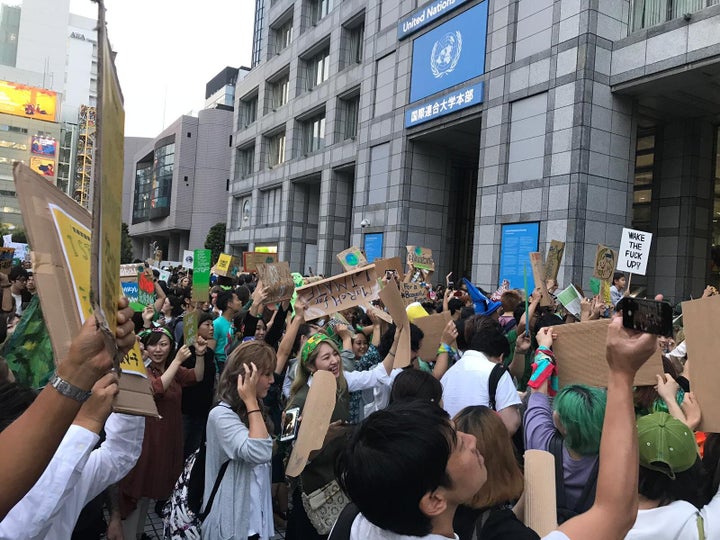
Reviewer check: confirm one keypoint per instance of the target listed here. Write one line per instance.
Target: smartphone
(451, 285)
(648, 316)
(290, 424)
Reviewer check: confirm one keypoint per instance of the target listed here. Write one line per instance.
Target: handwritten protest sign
(604, 262)
(553, 259)
(188, 257)
(129, 271)
(391, 264)
(132, 362)
(190, 327)
(6, 259)
(571, 300)
(390, 296)
(432, 326)
(146, 287)
(352, 258)
(412, 292)
(634, 251)
(538, 270)
(201, 275)
(340, 292)
(277, 278)
(130, 290)
(420, 258)
(222, 266)
(252, 258)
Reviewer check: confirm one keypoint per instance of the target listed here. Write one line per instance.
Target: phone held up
(648, 316)
(290, 424)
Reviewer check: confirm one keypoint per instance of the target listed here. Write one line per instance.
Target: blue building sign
(373, 246)
(518, 241)
(462, 98)
(450, 54)
(428, 14)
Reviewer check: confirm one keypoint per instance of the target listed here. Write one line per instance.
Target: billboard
(43, 166)
(45, 146)
(27, 101)
(450, 54)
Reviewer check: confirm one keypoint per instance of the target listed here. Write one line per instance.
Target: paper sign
(570, 298)
(130, 270)
(201, 275)
(190, 327)
(132, 362)
(580, 354)
(604, 262)
(130, 290)
(22, 251)
(352, 258)
(538, 270)
(188, 257)
(634, 251)
(420, 257)
(393, 263)
(390, 296)
(6, 259)
(223, 265)
(340, 292)
(252, 258)
(146, 288)
(433, 327)
(277, 278)
(316, 414)
(700, 319)
(413, 292)
(553, 259)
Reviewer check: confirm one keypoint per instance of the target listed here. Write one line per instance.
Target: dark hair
(415, 384)
(616, 276)
(460, 342)
(303, 330)
(17, 272)
(454, 304)
(243, 293)
(687, 485)
(154, 336)
(393, 459)
(176, 302)
(467, 312)
(223, 299)
(386, 340)
(416, 336)
(204, 316)
(711, 464)
(486, 335)
(14, 400)
(518, 312)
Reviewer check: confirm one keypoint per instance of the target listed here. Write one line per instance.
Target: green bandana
(311, 344)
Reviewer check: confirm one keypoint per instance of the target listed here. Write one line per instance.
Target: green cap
(666, 444)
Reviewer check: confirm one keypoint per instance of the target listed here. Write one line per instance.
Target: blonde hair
(303, 373)
(504, 479)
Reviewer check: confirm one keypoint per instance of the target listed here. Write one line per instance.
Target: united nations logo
(446, 54)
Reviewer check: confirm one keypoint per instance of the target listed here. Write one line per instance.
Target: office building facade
(482, 130)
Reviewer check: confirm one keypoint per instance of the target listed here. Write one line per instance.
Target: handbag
(323, 506)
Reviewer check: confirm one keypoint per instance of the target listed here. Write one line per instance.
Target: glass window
(318, 69)
(280, 92)
(642, 187)
(646, 13)
(355, 44)
(248, 111)
(276, 149)
(318, 9)
(350, 108)
(283, 36)
(244, 161)
(314, 134)
(271, 206)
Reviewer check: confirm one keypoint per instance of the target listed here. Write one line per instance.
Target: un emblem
(446, 54)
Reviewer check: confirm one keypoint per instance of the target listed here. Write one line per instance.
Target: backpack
(517, 438)
(587, 497)
(181, 515)
(343, 525)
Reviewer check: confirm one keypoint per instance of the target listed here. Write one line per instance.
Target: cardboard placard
(352, 258)
(420, 257)
(379, 313)
(222, 266)
(54, 283)
(277, 278)
(390, 295)
(201, 275)
(132, 363)
(6, 259)
(540, 495)
(605, 258)
(316, 415)
(393, 263)
(130, 270)
(252, 258)
(538, 270)
(340, 292)
(580, 354)
(634, 251)
(553, 259)
(432, 326)
(413, 292)
(700, 319)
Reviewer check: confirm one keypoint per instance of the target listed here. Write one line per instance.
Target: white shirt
(261, 512)
(466, 384)
(75, 475)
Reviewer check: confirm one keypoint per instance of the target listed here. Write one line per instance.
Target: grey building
(180, 181)
(482, 130)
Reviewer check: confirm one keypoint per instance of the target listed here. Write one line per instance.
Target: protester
(228, 304)
(617, 290)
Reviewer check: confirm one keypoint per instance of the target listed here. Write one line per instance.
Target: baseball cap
(666, 444)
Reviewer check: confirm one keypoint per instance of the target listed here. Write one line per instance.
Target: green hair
(582, 411)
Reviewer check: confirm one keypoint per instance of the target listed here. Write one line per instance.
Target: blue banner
(373, 246)
(462, 98)
(450, 54)
(429, 14)
(518, 241)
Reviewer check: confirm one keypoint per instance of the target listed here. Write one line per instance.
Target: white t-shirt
(18, 304)
(466, 384)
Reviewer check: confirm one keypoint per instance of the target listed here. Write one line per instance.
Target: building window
(276, 149)
(352, 44)
(245, 211)
(143, 189)
(272, 200)
(643, 182)
(349, 110)
(244, 161)
(527, 138)
(162, 181)
(318, 9)
(283, 36)
(257, 32)
(280, 91)
(313, 131)
(646, 13)
(248, 111)
(318, 69)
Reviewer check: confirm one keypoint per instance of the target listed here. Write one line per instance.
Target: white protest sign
(187, 261)
(634, 251)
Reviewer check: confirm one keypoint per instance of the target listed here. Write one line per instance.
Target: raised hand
(247, 384)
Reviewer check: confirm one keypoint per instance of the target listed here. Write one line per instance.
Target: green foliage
(215, 241)
(126, 252)
(18, 234)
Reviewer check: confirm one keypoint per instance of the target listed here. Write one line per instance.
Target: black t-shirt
(500, 524)
(198, 398)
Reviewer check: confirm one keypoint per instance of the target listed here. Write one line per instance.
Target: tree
(18, 234)
(126, 250)
(215, 241)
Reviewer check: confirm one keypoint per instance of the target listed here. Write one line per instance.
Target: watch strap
(68, 390)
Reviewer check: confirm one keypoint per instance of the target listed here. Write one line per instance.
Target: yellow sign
(133, 363)
(27, 101)
(43, 166)
(223, 263)
(75, 241)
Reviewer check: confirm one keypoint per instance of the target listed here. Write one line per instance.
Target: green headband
(311, 344)
(157, 330)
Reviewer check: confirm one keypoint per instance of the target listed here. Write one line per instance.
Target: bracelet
(391, 353)
(254, 410)
(68, 390)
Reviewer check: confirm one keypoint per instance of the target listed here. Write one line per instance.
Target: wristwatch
(68, 390)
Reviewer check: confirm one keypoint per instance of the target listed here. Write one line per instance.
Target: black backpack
(587, 497)
(518, 439)
(343, 525)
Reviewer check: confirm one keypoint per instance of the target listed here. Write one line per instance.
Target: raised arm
(285, 348)
(447, 341)
(182, 354)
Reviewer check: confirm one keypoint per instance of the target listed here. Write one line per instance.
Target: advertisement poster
(518, 241)
(27, 101)
(45, 146)
(43, 166)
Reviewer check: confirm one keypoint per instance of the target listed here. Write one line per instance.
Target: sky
(168, 50)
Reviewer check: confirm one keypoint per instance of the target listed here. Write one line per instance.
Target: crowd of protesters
(434, 450)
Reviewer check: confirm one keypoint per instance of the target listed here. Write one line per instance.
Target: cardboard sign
(553, 259)
(6, 259)
(393, 263)
(390, 295)
(700, 319)
(413, 292)
(130, 270)
(540, 495)
(146, 287)
(432, 326)
(277, 278)
(54, 283)
(222, 266)
(340, 292)
(420, 257)
(201, 275)
(604, 262)
(252, 258)
(188, 257)
(580, 354)
(132, 362)
(190, 327)
(538, 270)
(316, 414)
(634, 251)
(352, 258)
